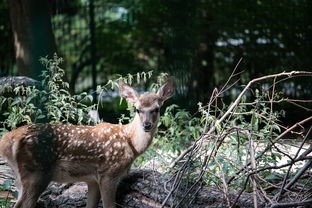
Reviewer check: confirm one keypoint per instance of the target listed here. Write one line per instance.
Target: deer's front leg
(93, 195)
(108, 188)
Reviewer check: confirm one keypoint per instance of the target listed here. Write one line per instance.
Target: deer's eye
(137, 110)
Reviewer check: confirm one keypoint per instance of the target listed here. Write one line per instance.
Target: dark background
(199, 42)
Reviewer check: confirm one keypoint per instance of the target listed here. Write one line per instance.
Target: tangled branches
(243, 148)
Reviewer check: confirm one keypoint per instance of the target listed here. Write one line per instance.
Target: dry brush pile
(243, 148)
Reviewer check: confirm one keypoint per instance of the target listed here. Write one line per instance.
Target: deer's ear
(127, 92)
(167, 90)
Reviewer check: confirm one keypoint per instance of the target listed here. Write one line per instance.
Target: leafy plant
(61, 106)
(7, 186)
(51, 103)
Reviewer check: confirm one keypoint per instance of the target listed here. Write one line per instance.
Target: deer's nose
(147, 126)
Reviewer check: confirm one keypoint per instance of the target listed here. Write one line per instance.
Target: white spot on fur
(112, 136)
(108, 130)
(121, 134)
(107, 142)
(117, 144)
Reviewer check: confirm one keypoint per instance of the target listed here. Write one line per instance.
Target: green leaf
(15, 194)
(16, 101)
(7, 184)
(41, 116)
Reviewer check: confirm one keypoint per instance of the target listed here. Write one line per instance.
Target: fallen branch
(235, 104)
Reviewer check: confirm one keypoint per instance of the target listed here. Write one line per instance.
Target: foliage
(52, 103)
(177, 129)
(7, 186)
(61, 106)
(251, 122)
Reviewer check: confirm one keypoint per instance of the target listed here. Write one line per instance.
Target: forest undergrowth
(240, 146)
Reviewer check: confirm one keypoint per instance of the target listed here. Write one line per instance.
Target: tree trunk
(202, 75)
(33, 36)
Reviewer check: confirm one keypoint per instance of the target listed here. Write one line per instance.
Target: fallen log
(7, 84)
(140, 189)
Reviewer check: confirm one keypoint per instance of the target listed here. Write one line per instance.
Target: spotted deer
(99, 155)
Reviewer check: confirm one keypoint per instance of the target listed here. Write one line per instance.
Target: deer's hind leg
(31, 185)
(93, 194)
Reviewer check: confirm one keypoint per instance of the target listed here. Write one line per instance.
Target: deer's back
(67, 150)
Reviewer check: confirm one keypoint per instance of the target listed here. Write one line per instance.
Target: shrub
(52, 103)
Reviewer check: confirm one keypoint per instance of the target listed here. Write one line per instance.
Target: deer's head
(147, 105)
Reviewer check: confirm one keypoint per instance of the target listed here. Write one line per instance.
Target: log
(9, 83)
(140, 189)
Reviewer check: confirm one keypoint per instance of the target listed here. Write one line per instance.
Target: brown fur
(99, 155)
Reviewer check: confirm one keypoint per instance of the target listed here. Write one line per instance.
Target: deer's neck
(139, 138)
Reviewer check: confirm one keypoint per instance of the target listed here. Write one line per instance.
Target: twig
(233, 74)
(283, 187)
(299, 174)
(225, 188)
(253, 166)
(263, 191)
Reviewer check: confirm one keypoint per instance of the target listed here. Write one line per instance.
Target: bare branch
(235, 104)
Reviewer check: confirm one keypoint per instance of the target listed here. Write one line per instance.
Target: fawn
(99, 155)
